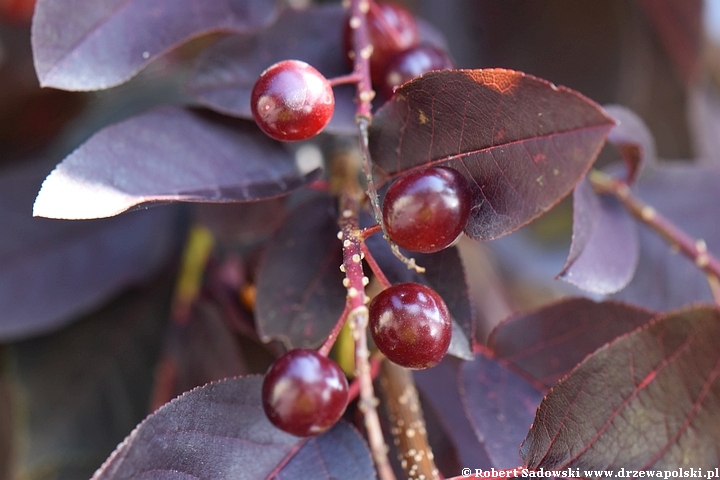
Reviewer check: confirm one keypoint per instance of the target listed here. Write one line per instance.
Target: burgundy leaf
(646, 401)
(339, 453)
(85, 387)
(633, 138)
(500, 406)
(605, 246)
(89, 45)
(549, 342)
(688, 195)
(52, 271)
(440, 389)
(300, 294)
(522, 142)
(215, 431)
(444, 272)
(225, 73)
(169, 154)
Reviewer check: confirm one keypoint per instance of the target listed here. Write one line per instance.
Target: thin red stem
(327, 345)
(379, 274)
(368, 232)
(286, 459)
(354, 389)
(345, 79)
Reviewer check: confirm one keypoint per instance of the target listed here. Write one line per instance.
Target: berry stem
(345, 79)
(358, 318)
(362, 51)
(408, 425)
(354, 389)
(379, 274)
(694, 249)
(351, 193)
(370, 231)
(327, 345)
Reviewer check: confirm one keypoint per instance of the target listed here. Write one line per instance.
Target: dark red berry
(304, 393)
(391, 29)
(292, 101)
(426, 210)
(411, 63)
(410, 324)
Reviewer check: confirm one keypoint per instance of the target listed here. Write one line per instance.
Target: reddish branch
(350, 199)
(694, 249)
(358, 318)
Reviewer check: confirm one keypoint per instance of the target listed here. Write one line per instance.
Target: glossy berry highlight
(411, 63)
(426, 210)
(411, 325)
(292, 101)
(304, 393)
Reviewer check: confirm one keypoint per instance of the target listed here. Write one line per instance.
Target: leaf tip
(63, 196)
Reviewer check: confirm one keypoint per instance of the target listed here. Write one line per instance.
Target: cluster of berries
(292, 101)
(305, 393)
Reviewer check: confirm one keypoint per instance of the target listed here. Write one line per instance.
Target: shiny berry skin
(391, 29)
(304, 393)
(410, 325)
(292, 101)
(426, 210)
(411, 63)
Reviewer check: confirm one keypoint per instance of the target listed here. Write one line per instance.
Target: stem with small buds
(695, 249)
(407, 422)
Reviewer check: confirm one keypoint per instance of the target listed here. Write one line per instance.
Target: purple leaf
(688, 195)
(88, 45)
(440, 388)
(300, 294)
(647, 401)
(500, 406)
(215, 431)
(226, 72)
(52, 271)
(446, 275)
(605, 246)
(165, 155)
(85, 387)
(339, 453)
(521, 142)
(549, 342)
(220, 431)
(633, 138)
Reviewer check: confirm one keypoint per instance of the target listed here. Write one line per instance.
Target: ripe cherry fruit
(391, 29)
(292, 101)
(426, 210)
(411, 63)
(410, 324)
(304, 393)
